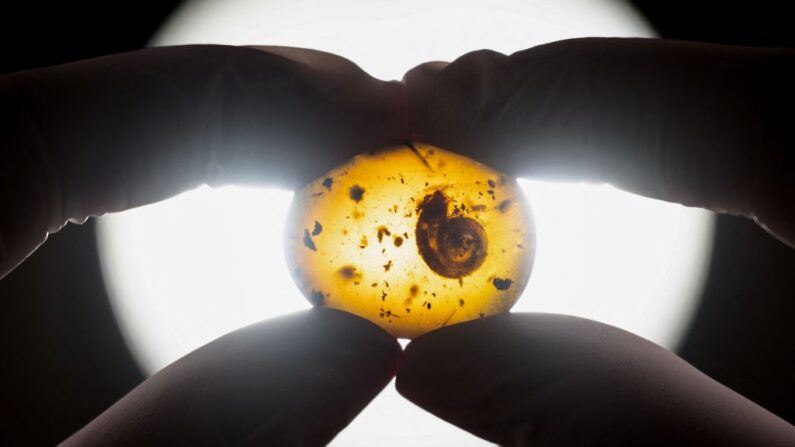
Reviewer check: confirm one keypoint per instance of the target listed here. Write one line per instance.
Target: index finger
(125, 130)
(698, 124)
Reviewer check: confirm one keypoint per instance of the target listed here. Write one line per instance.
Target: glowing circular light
(601, 253)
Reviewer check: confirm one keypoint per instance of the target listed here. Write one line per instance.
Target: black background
(62, 357)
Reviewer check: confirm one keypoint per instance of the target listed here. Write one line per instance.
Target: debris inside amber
(413, 238)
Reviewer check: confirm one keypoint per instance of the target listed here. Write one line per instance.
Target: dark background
(62, 357)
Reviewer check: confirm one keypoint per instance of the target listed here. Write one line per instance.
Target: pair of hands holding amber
(700, 125)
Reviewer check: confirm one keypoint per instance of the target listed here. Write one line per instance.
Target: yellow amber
(411, 237)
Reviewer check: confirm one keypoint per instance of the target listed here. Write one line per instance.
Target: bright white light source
(616, 257)
(185, 271)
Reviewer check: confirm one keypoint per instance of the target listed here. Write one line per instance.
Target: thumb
(295, 380)
(536, 379)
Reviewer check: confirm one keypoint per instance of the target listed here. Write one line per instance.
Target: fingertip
(424, 70)
(525, 379)
(359, 334)
(480, 58)
(294, 380)
(433, 364)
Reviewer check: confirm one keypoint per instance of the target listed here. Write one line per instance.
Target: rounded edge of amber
(412, 237)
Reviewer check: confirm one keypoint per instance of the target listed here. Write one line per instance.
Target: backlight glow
(187, 270)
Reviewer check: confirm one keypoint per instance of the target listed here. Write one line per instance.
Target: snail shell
(453, 246)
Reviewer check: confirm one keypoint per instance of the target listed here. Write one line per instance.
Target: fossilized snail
(411, 237)
(452, 246)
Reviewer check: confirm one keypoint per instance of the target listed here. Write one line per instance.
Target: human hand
(697, 124)
(295, 380)
(116, 132)
(701, 125)
(120, 131)
(541, 379)
(192, 115)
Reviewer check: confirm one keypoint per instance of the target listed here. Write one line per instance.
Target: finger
(423, 73)
(419, 77)
(538, 379)
(698, 124)
(125, 130)
(295, 380)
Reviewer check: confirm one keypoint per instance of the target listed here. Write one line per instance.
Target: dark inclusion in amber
(411, 237)
(452, 246)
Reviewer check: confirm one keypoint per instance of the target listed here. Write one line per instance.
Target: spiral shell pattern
(452, 246)
(411, 237)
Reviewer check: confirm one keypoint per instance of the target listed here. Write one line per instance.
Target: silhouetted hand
(697, 124)
(120, 131)
(701, 125)
(294, 380)
(553, 380)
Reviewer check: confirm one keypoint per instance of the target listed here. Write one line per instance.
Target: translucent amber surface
(413, 238)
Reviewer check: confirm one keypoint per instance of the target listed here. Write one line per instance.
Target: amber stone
(411, 237)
